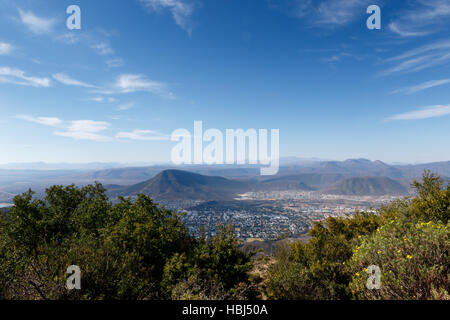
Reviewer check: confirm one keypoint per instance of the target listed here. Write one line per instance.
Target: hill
(305, 181)
(180, 185)
(374, 186)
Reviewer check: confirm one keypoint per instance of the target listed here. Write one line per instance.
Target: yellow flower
(343, 262)
(379, 251)
(357, 274)
(408, 257)
(359, 237)
(398, 251)
(365, 270)
(378, 229)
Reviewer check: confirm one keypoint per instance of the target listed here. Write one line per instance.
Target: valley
(266, 208)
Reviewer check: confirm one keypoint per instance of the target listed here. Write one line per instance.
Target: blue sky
(139, 69)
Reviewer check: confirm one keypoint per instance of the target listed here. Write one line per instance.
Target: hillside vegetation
(178, 184)
(374, 186)
(408, 241)
(139, 250)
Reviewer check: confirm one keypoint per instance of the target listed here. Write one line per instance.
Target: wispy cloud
(67, 80)
(102, 99)
(340, 56)
(393, 26)
(5, 48)
(38, 25)
(130, 83)
(86, 130)
(422, 86)
(422, 113)
(46, 121)
(181, 10)
(324, 13)
(102, 49)
(421, 58)
(423, 17)
(16, 76)
(77, 129)
(143, 135)
(125, 106)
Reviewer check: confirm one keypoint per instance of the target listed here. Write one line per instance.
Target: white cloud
(422, 86)
(77, 129)
(433, 47)
(181, 10)
(46, 121)
(65, 79)
(5, 48)
(422, 15)
(102, 49)
(143, 135)
(128, 83)
(16, 76)
(324, 13)
(125, 106)
(404, 33)
(36, 24)
(97, 99)
(86, 130)
(423, 113)
(339, 12)
(421, 58)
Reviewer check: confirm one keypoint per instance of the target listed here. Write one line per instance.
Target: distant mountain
(354, 167)
(180, 185)
(305, 181)
(284, 183)
(294, 174)
(373, 186)
(60, 166)
(415, 171)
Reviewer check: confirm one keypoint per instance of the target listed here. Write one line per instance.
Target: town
(274, 215)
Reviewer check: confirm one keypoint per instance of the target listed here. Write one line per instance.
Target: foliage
(129, 250)
(408, 239)
(413, 258)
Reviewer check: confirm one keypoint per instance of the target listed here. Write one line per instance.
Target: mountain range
(218, 182)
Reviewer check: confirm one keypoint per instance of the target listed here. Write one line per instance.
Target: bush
(130, 250)
(413, 258)
(408, 239)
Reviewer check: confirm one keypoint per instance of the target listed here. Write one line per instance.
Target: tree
(129, 250)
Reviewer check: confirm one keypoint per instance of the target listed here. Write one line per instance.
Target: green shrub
(413, 258)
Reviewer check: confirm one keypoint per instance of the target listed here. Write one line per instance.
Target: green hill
(374, 186)
(178, 185)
